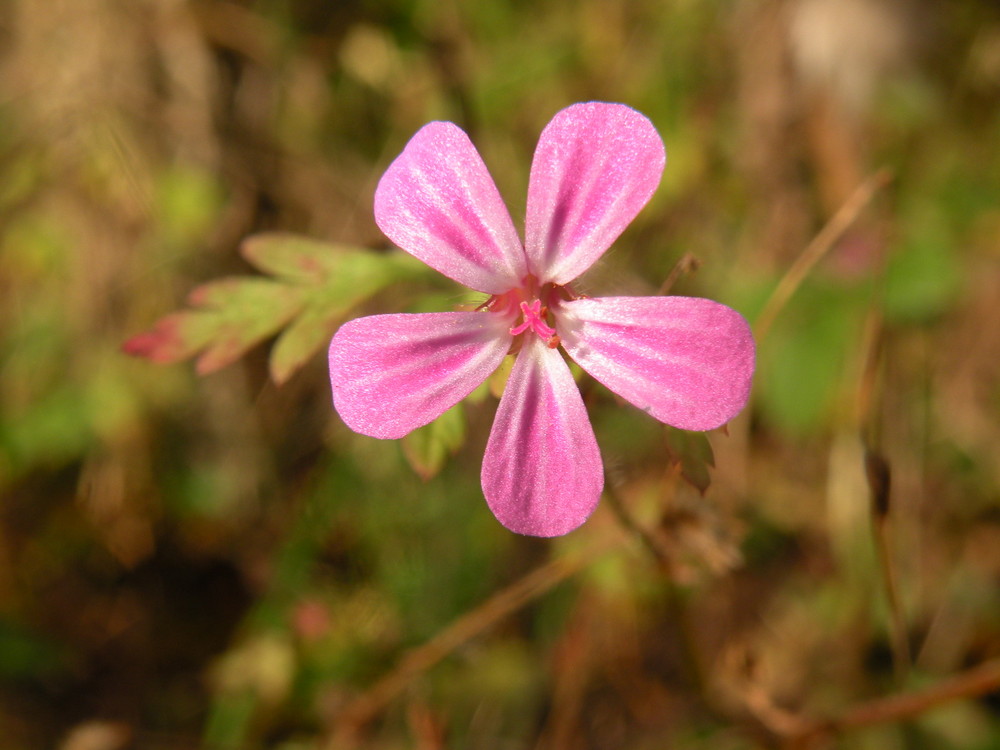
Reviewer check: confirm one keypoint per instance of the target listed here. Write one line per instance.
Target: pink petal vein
(394, 373)
(687, 361)
(542, 473)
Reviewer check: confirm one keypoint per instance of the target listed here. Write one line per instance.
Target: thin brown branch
(239, 29)
(972, 683)
(821, 244)
(650, 541)
(901, 657)
(879, 477)
(655, 546)
(362, 710)
(687, 265)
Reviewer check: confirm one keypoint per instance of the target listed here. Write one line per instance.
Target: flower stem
(690, 655)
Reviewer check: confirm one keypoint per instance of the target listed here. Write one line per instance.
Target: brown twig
(877, 471)
(878, 476)
(675, 600)
(821, 244)
(651, 542)
(363, 709)
(974, 682)
(687, 264)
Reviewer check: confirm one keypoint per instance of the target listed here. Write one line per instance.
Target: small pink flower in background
(686, 361)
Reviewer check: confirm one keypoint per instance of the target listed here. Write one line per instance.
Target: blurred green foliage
(218, 561)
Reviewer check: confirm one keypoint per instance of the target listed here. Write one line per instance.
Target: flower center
(534, 318)
(529, 304)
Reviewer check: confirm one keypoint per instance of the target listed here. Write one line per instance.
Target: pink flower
(686, 361)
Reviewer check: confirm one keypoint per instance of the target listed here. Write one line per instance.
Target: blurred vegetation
(218, 562)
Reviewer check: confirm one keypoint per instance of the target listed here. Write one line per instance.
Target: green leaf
(310, 331)
(346, 278)
(244, 312)
(292, 257)
(694, 454)
(428, 447)
(228, 317)
(314, 286)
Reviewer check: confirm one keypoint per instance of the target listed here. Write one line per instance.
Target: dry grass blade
(821, 244)
(687, 265)
(367, 706)
(878, 474)
(971, 683)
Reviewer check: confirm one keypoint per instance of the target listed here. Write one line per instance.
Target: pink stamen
(534, 315)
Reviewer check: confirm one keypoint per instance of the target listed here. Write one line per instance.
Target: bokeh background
(218, 562)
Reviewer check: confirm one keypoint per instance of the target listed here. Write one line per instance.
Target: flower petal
(542, 472)
(438, 202)
(685, 360)
(595, 167)
(394, 373)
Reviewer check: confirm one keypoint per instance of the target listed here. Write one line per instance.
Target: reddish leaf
(314, 287)
(174, 337)
(228, 318)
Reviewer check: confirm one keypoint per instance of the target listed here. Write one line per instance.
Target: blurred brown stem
(821, 244)
(654, 545)
(900, 640)
(363, 709)
(879, 477)
(972, 683)
(687, 264)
